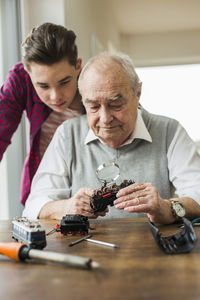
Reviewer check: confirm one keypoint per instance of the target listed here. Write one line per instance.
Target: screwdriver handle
(11, 249)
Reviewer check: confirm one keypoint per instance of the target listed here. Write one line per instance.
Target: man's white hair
(120, 58)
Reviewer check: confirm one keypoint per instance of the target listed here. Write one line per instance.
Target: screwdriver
(20, 251)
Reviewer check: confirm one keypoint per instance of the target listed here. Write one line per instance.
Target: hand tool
(20, 251)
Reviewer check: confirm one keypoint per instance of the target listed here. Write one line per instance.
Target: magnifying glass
(108, 172)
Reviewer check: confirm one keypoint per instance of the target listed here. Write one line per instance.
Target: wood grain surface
(137, 270)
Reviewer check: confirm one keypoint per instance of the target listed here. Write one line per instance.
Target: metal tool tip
(95, 265)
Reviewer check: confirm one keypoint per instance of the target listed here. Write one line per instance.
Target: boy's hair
(48, 44)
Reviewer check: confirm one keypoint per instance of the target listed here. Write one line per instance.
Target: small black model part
(180, 242)
(107, 195)
(73, 224)
(29, 232)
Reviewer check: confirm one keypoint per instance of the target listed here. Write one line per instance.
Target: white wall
(163, 48)
(91, 21)
(36, 12)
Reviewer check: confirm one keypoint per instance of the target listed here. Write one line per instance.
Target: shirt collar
(140, 132)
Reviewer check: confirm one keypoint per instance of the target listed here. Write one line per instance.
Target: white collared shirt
(140, 132)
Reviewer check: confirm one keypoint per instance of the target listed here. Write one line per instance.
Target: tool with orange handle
(20, 251)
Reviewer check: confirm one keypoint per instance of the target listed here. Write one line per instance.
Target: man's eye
(94, 108)
(116, 107)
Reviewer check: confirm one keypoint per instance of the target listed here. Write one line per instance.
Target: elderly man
(154, 151)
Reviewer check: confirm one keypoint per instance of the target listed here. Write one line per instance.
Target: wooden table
(137, 270)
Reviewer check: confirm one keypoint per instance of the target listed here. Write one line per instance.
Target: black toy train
(107, 195)
(73, 224)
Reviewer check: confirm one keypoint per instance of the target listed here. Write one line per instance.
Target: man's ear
(139, 90)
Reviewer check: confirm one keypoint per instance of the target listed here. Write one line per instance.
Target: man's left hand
(143, 198)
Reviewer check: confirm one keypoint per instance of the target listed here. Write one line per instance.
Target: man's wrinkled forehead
(113, 76)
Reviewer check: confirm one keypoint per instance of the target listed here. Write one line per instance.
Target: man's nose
(105, 115)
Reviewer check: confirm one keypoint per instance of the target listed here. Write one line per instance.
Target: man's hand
(78, 204)
(144, 198)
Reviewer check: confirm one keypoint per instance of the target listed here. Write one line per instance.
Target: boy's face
(56, 85)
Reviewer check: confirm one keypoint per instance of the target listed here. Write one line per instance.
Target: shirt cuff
(33, 207)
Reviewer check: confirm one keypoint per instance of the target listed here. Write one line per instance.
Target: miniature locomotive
(73, 224)
(106, 195)
(29, 232)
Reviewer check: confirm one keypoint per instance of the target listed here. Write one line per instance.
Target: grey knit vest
(140, 161)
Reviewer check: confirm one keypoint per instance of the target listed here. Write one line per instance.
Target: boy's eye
(65, 82)
(44, 87)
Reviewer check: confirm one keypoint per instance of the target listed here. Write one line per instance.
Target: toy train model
(107, 195)
(29, 232)
(73, 224)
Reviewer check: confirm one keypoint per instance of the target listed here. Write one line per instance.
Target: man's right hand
(78, 204)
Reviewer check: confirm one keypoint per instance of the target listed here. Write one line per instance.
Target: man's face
(56, 85)
(111, 104)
